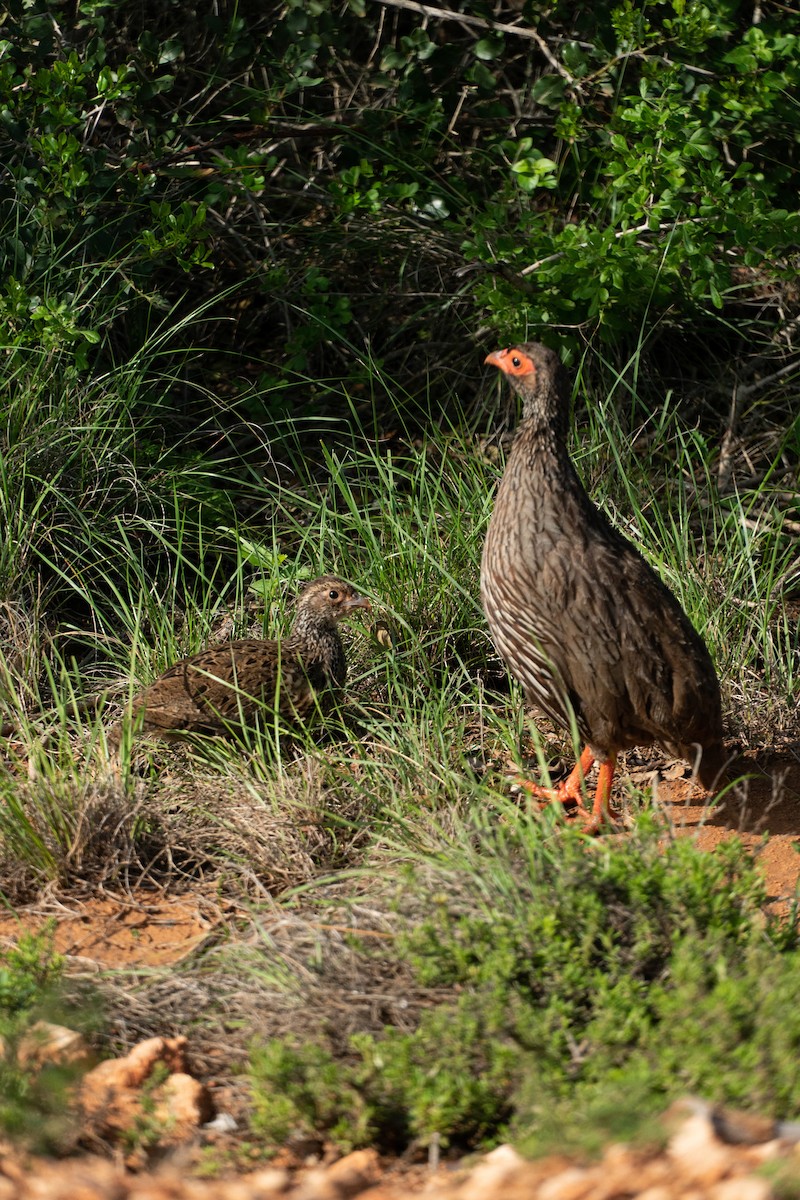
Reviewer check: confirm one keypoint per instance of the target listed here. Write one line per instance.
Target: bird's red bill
(511, 361)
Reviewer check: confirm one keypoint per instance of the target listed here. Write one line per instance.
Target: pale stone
(269, 1181)
(44, 1044)
(766, 1151)
(355, 1171)
(184, 1101)
(315, 1185)
(235, 1189)
(504, 1154)
(572, 1184)
(619, 1155)
(346, 1177)
(749, 1187)
(698, 1153)
(111, 1094)
(491, 1173)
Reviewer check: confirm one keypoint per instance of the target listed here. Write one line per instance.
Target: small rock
(572, 1184)
(655, 1174)
(269, 1181)
(222, 1123)
(698, 1154)
(315, 1185)
(184, 1103)
(112, 1096)
(354, 1172)
(237, 1189)
(491, 1173)
(749, 1188)
(45, 1044)
(346, 1177)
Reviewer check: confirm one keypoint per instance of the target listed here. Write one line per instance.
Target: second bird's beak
(357, 602)
(495, 359)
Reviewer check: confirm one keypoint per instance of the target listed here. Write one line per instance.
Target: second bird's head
(536, 374)
(330, 597)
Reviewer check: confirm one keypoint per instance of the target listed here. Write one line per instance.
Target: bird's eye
(516, 362)
(333, 594)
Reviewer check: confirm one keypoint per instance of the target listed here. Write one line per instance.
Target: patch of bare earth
(703, 1152)
(145, 929)
(767, 802)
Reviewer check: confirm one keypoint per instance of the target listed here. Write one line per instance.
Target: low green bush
(587, 985)
(35, 1104)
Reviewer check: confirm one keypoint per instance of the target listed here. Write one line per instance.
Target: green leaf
(548, 91)
(482, 76)
(488, 48)
(574, 57)
(170, 51)
(392, 59)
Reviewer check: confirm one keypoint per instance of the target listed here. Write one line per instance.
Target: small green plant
(149, 1128)
(35, 1104)
(578, 973)
(28, 973)
(301, 1089)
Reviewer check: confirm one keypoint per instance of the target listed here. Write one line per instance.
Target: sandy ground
(152, 929)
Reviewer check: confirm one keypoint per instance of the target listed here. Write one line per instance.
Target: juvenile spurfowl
(224, 687)
(577, 614)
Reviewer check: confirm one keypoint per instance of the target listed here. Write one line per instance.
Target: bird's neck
(540, 445)
(545, 411)
(319, 641)
(309, 632)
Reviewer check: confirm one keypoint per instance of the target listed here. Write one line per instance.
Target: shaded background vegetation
(252, 258)
(214, 217)
(229, 229)
(326, 188)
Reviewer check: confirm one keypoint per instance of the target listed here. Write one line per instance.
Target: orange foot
(570, 792)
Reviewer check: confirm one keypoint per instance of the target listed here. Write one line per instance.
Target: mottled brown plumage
(577, 614)
(224, 687)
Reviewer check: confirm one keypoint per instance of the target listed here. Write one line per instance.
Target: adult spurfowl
(577, 614)
(223, 688)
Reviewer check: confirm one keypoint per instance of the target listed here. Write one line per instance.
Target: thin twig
(444, 14)
(760, 384)
(618, 233)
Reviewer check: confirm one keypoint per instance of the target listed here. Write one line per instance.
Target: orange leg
(570, 791)
(602, 796)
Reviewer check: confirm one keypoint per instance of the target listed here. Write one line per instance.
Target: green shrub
(35, 1104)
(610, 169)
(609, 980)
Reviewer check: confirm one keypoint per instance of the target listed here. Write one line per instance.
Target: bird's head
(535, 372)
(329, 598)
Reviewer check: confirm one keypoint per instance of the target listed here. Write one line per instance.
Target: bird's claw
(566, 798)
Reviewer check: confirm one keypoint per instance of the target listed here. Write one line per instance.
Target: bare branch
(444, 14)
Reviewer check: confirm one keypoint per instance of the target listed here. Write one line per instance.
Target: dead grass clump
(326, 971)
(264, 831)
(21, 633)
(261, 827)
(264, 838)
(76, 833)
